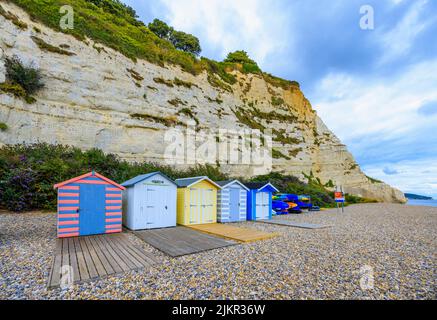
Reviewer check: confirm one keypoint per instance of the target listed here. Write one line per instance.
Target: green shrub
(14, 89)
(180, 40)
(167, 121)
(3, 126)
(160, 28)
(291, 184)
(276, 154)
(28, 172)
(115, 25)
(28, 77)
(277, 101)
(351, 199)
(13, 18)
(135, 74)
(241, 57)
(189, 113)
(49, 48)
(373, 180)
(176, 102)
(168, 83)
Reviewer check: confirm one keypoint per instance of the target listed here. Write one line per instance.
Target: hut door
(92, 209)
(234, 204)
(207, 206)
(262, 205)
(195, 202)
(151, 214)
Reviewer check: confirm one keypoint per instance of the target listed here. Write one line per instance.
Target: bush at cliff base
(28, 173)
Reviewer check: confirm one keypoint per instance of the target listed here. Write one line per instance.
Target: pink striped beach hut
(89, 204)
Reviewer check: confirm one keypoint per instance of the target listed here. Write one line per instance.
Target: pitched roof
(188, 182)
(89, 174)
(226, 183)
(143, 177)
(260, 185)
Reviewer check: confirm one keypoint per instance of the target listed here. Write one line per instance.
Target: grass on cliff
(116, 26)
(28, 173)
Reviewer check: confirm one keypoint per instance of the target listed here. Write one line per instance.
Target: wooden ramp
(87, 258)
(289, 223)
(180, 241)
(233, 233)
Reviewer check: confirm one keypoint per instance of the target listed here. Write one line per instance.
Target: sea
(430, 203)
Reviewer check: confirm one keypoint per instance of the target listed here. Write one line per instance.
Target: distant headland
(413, 196)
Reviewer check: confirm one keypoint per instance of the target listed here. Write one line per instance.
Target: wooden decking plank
(115, 257)
(170, 245)
(101, 271)
(103, 256)
(147, 259)
(65, 253)
(105, 250)
(205, 241)
(142, 259)
(122, 253)
(88, 259)
(55, 272)
(233, 233)
(119, 254)
(181, 241)
(83, 268)
(73, 260)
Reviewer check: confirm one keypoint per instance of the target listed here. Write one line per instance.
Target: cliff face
(96, 97)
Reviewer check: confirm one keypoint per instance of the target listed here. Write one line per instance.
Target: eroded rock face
(99, 98)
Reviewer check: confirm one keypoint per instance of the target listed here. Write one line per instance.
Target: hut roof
(188, 182)
(90, 174)
(143, 177)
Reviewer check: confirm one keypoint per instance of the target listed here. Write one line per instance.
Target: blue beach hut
(259, 200)
(87, 205)
(231, 201)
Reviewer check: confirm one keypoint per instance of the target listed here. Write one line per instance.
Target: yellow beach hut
(196, 201)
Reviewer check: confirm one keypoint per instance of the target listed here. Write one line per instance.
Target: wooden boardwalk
(87, 258)
(234, 233)
(181, 241)
(289, 223)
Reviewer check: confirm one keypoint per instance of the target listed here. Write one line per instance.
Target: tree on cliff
(241, 57)
(181, 40)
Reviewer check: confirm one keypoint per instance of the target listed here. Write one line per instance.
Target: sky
(368, 67)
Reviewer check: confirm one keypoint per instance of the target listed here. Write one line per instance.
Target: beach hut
(196, 201)
(149, 202)
(89, 204)
(259, 200)
(231, 201)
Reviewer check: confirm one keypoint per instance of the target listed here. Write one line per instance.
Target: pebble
(372, 251)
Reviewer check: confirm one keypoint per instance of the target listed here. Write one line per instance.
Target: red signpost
(339, 198)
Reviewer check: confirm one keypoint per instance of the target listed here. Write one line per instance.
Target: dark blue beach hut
(259, 200)
(89, 204)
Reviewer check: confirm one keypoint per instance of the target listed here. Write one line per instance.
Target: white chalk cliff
(97, 97)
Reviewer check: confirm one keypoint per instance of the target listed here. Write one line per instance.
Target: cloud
(226, 25)
(411, 178)
(374, 89)
(358, 107)
(399, 40)
(386, 121)
(428, 108)
(390, 171)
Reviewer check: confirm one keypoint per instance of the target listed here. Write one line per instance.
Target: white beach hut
(149, 202)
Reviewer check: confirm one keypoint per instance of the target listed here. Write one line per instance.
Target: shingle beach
(372, 251)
